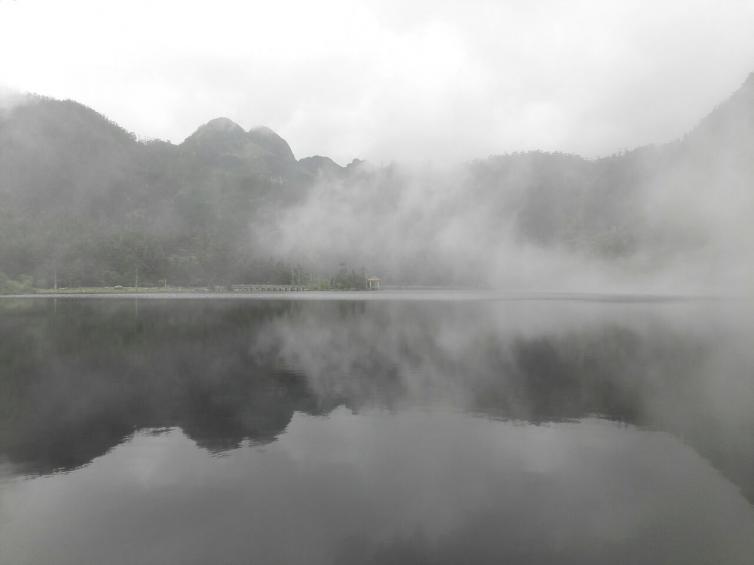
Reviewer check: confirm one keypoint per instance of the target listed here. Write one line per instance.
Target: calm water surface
(376, 431)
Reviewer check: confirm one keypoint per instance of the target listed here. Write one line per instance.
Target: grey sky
(388, 79)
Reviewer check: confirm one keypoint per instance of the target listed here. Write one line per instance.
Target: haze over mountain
(88, 202)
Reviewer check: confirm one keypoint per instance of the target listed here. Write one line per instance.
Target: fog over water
(376, 282)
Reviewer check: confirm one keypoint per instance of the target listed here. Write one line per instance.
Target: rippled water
(450, 429)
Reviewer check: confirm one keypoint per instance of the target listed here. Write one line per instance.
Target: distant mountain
(633, 201)
(222, 142)
(731, 124)
(83, 199)
(318, 165)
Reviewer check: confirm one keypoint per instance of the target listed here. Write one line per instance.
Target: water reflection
(377, 431)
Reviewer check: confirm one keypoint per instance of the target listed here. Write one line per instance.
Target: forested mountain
(82, 196)
(86, 201)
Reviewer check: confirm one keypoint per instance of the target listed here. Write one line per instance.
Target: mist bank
(87, 203)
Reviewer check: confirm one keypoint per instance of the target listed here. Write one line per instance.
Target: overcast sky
(390, 79)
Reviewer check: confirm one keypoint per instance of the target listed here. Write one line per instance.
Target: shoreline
(396, 294)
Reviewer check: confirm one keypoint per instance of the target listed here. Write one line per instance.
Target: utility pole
(136, 285)
(55, 278)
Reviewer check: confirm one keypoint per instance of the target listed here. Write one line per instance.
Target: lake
(398, 428)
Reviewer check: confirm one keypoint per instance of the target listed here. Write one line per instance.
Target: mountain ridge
(259, 133)
(105, 203)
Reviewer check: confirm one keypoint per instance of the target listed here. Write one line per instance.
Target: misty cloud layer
(388, 80)
(668, 218)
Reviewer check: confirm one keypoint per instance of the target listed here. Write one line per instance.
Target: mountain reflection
(81, 376)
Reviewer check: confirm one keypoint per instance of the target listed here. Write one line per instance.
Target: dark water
(349, 432)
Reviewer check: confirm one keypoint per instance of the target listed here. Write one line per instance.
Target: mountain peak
(220, 132)
(263, 131)
(317, 164)
(54, 119)
(221, 124)
(271, 142)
